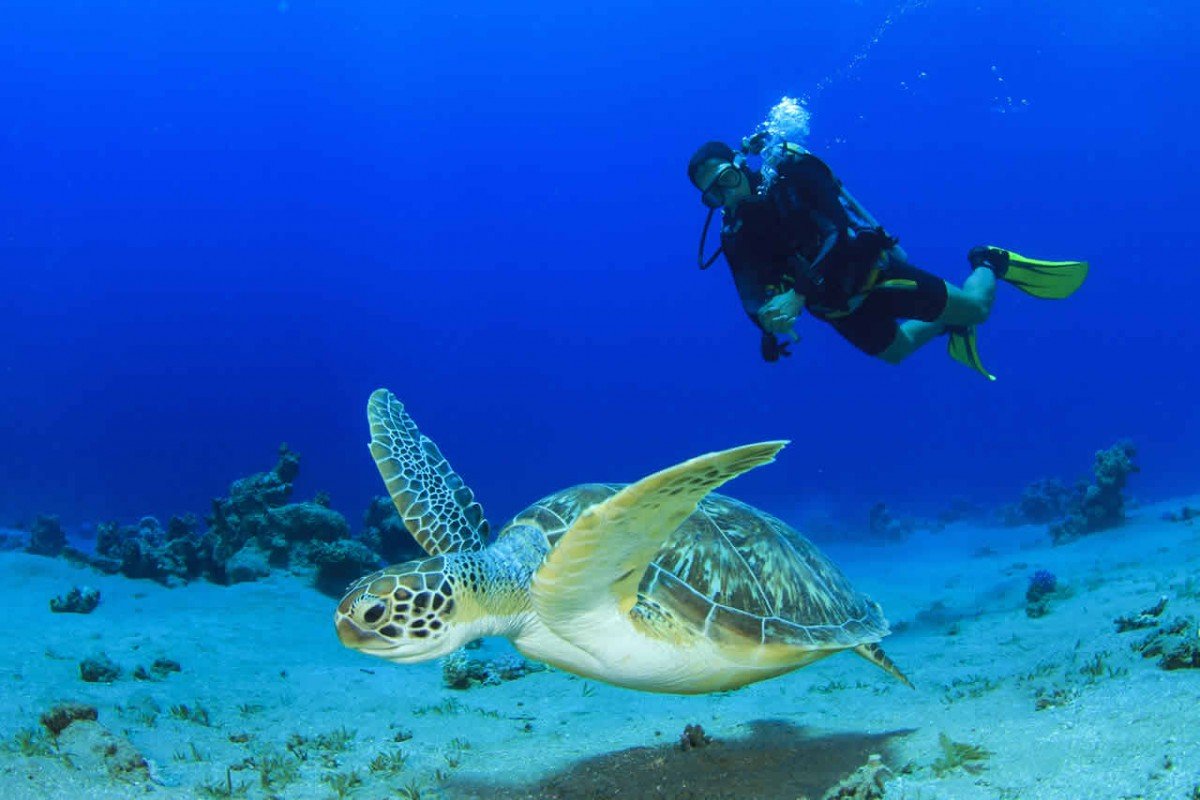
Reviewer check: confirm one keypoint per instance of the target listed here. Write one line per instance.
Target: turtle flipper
(874, 653)
(437, 507)
(598, 563)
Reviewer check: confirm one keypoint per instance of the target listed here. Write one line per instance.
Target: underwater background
(224, 224)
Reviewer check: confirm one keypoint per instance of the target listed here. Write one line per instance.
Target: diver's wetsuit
(798, 235)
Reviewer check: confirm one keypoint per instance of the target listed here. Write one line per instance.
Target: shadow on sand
(775, 761)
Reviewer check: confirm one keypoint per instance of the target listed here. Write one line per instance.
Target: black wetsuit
(798, 235)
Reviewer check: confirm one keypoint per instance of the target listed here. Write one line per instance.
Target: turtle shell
(733, 573)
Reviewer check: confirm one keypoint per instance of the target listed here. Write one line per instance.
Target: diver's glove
(771, 348)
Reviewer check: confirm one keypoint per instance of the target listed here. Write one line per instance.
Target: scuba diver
(795, 239)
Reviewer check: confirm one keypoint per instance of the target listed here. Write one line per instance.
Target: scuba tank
(860, 217)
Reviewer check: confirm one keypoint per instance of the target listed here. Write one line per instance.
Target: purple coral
(1042, 586)
(1041, 583)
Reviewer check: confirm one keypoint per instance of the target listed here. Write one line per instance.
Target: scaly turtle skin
(659, 585)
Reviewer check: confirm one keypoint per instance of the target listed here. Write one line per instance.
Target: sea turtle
(658, 585)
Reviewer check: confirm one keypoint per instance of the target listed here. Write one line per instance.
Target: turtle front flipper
(437, 507)
(595, 568)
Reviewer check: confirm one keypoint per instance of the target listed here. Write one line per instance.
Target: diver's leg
(972, 304)
(911, 336)
(920, 298)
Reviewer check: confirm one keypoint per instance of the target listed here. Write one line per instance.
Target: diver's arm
(750, 289)
(758, 306)
(779, 314)
(829, 237)
(856, 207)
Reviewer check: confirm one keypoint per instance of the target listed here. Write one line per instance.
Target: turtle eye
(374, 613)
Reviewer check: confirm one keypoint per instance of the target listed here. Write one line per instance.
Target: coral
(76, 601)
(342, 783)
(185, 713)
(1099, 505)
(181, 527)
(250, 533)
(937, 615)
(1041, 502)
(1103, 502)
(340, 563)
(1052, 698)
(958, 755)
(58, 718)
(1098, 667)
(30, 743)
(411, 791)
(1146, 618)
(1068, 529)
(1042, 586)
(248, 564)
(959, 509)
(256, 528)
(1177, 644)
(969, 687)
(13, 539)
(304, 522)
(46, 536)
(693, 737)
(389, 762)
(509, 668)
(1185, 514)
(276, 771)
(160, 669)
(461, 671)
(884, 525)
(99, 669)
(242, 515)
(865, 783)
(145, 550)
(384, 532)
(92, 748)
(226, 788)
(1041, 583)
(1183, 654)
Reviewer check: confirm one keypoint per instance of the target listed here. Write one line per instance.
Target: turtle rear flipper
(874, 653)
(437, 507)
(596, 566)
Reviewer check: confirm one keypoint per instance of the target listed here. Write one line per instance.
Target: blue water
(222, 224)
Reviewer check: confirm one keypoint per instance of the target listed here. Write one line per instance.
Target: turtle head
(410, 612)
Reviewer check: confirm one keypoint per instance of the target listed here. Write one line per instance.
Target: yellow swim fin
(1051, 280)
(963, 349)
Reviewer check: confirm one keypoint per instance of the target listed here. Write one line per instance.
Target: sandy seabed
(268, 704)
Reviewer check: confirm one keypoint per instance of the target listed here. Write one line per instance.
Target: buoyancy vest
(833, 250)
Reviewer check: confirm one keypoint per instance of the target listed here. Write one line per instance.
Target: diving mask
(727, 176)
